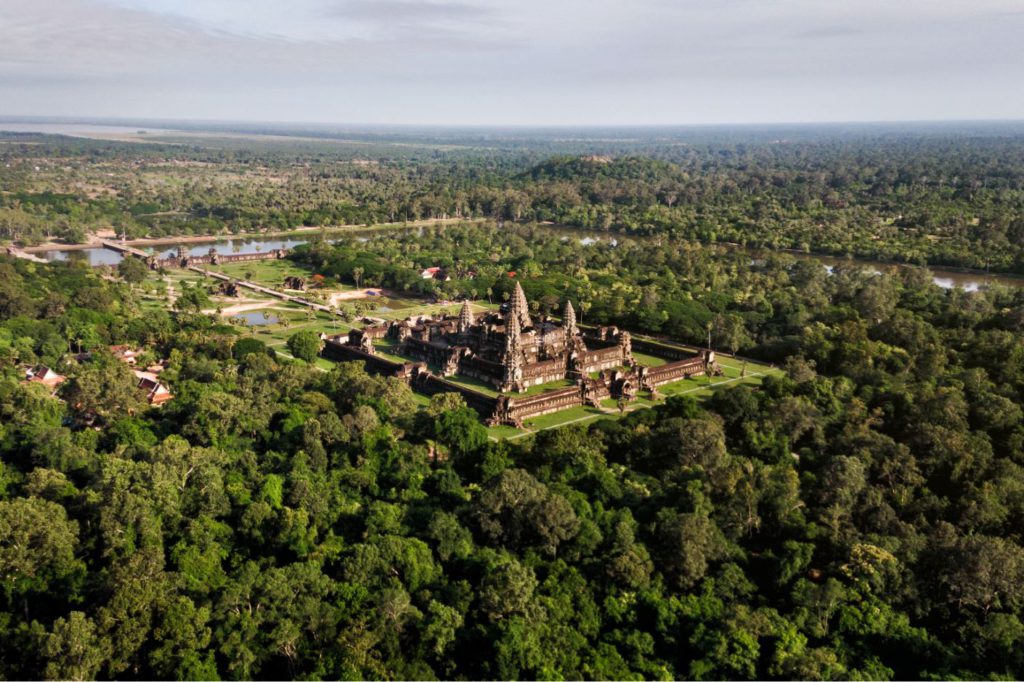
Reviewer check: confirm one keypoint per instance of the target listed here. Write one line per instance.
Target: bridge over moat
(123, 248)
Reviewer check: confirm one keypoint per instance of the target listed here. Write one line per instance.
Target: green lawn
(271, 272)
(474, 385)
(503, 432)
(544, 388)
(563, 417)
(388, 351)
(698, 387)
(400, 308)
(649, 360)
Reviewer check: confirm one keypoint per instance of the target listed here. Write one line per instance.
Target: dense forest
(859, 517)
(926, 195)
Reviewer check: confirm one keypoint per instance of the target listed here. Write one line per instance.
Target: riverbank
(944, 275)
(95, 239)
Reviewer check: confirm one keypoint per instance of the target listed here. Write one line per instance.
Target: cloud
(407, 11)
(479, 61)
(828, 32)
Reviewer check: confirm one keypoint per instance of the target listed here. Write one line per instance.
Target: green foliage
(305, 345)
(859, 517)
(248, 346)
(132, 269)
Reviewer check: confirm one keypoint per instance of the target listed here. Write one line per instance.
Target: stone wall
(431, 384)
(479, 368)
(661, 350)
(543, 372)
(418, 376)
(342, 352)
(601, 358)
(512, 411)
(673, 371)
(188, 261)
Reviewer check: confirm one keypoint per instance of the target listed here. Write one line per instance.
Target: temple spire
(518, 307)
(512, 360)
(569, 318)
(512, 331)
(465, 317)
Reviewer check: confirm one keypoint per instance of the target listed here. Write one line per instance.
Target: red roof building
(156, 393)
(41, 374)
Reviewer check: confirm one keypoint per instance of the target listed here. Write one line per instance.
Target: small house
(156, 393)
(41, 374)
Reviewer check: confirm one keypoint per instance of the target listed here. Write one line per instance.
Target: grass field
(271, 272)
(649, 360)
(699, 387)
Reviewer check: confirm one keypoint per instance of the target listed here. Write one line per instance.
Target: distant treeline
(941, 195)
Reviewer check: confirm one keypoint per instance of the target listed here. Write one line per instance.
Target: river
(947, 278)
(943, 277)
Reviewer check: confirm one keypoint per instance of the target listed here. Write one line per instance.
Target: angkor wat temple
(512, 352)
(509, 350)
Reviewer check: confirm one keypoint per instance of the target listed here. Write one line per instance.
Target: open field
(648, 360)
(699, 387)
(269, 272)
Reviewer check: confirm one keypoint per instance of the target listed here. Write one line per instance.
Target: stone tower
(517, 307)
(569, 319)
(465, 317)
(512, 358)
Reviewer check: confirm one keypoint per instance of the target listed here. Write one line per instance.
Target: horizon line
(170, 122)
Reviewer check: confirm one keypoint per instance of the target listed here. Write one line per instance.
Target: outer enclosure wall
(545, 403)
(607, 355)
(661, 351)
(428, 384)
(374, 364)
(674, 371)
(432, 384)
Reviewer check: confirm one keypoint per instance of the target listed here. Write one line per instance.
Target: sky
(514, 62)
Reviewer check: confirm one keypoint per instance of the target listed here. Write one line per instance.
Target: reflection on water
(234, 246)
(230, 247)
(588, 240)
(92, 257)
(947, 279)
(949, 283)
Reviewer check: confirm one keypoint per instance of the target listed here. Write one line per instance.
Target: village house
(41, 374)
(435, 272)
(156, 393)
(125, 354)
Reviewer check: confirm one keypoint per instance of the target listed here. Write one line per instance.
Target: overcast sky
(514, 61)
